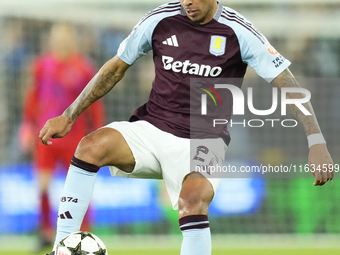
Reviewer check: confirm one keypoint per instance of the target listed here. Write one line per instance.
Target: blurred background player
(58, 76)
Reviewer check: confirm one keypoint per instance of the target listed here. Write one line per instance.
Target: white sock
(196, 235)
(74, 201)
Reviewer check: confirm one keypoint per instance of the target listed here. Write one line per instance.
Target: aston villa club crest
(217, 45)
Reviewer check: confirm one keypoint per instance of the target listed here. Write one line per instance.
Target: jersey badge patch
(217, 45)
(271, 49)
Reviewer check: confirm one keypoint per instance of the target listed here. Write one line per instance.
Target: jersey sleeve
(256, 50)
(138, 43)
(264, 58)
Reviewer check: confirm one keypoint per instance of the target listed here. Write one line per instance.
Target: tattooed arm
(107, 77)
(308, 122)
(319, 157)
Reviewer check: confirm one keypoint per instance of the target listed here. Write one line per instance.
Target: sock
(196, 235)
(75, 198)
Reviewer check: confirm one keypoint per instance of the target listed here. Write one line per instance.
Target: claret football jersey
(183, 50)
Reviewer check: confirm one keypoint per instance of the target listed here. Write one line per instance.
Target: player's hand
(321, 164)
(55, 128)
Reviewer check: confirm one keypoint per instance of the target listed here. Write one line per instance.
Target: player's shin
(196, 235)
(76, 197)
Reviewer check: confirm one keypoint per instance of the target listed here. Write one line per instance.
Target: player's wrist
(68, 116)
(315, 139)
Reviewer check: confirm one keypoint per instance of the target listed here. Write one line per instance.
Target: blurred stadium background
(247, 213)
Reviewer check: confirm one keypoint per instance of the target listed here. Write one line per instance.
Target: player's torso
(188, 50)
(184, 50)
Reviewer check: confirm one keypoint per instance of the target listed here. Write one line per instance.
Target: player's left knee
(193, 204)
(195, 197)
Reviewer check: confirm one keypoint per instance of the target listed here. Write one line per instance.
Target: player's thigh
(195, 197)
(106, 146)
(181, 157)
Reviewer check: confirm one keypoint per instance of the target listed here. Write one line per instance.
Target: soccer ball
(81, 243)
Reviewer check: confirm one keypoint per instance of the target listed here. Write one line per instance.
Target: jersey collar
(219, 11)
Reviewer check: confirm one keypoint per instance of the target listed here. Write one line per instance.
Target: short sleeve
(136, 45)
(264, 58)
(256, 50)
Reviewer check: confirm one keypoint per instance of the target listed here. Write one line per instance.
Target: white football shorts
(161, 155)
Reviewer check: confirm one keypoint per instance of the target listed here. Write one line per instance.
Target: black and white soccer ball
(81, 243)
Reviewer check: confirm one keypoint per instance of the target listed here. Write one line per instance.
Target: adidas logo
(171, 41)
(66, 215)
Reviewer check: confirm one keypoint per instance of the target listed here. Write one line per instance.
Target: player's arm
(107, 77)
(319, 157)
